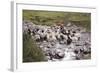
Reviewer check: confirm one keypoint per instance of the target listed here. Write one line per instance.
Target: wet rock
(59, 54)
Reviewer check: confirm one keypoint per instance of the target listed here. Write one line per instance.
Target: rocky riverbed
(70, 42)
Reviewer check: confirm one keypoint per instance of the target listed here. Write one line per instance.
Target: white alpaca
(65, 36)
(78, 34)
(76, 37)
(51, 36)
(37, 36)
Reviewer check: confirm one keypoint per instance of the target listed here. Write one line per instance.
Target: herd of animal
(68, 42)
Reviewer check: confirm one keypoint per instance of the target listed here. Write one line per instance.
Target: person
(61, 25)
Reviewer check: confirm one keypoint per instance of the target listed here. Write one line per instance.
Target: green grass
(31, 52)
(50, 17)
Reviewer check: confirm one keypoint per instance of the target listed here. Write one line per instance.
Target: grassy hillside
(50, 17)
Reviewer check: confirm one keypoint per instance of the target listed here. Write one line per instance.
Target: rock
(59, 54)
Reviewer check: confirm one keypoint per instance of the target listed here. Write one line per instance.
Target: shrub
(31, 52)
